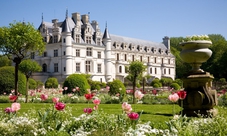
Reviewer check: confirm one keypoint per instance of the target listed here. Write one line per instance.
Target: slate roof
(134, 41)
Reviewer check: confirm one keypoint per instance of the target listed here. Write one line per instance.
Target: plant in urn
(197, 83)
(195, 51)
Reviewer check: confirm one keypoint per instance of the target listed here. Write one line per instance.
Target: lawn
(156, 114)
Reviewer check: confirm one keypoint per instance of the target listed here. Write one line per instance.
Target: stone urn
(195, 53)
(201, 98)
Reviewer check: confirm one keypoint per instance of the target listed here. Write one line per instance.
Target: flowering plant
(196, 38)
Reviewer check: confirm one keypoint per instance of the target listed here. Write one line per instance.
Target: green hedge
(7, 80)
(76, 80)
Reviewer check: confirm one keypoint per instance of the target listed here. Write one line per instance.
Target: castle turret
(67, 46)
(107, 43)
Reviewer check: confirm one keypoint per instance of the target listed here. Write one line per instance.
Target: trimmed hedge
(76, 80)
(7, 80)
(51, 82)
(117, 87)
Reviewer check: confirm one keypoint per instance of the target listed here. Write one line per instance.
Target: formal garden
(137, 107)
(106, 111)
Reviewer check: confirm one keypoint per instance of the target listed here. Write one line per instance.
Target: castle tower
(67, 46)
(107, 42)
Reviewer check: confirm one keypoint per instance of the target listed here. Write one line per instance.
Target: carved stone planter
(195, 53)
(200, 97)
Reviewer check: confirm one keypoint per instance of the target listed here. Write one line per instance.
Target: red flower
(133, 115)
(182, 94)
(88, 110)
(12, 98)
(59, 106)
(88, 96)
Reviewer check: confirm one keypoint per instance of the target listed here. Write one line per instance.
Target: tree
(27, 67)
(135, 70)
(218, 58)
(18, 41)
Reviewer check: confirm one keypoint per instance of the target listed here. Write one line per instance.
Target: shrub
(117, 87)
(76, 80)
(175, 86)
(156, 83)
(32, 83)
(51, 82)
(95, 85)
(7, 80)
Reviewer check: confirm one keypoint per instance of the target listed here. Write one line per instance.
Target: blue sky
(143, 19)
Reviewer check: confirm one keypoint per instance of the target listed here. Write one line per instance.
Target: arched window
(44, 67)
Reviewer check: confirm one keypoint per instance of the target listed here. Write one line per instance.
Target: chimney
(166, 42)
(85, 19)
(54, 21)
(76, 17)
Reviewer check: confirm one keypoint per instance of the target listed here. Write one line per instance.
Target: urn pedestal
(200, 98)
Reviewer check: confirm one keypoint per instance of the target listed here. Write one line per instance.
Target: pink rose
(138, 95)
(182, 94)
(55, 99)
(65, 88)
(126, 107)
(96, 101)
(133, 115)
(15, 107)
(88, 110)
(43, 97)
(173, 97)
(8, 110)
(12, 98)
(96, 107)
(59, 106)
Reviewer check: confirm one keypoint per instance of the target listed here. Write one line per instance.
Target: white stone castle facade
(77, 45)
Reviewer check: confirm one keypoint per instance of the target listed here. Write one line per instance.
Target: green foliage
(166, 81)
(39, 84)
(179, 82)
(156, 83)
(76, 80)
(7, 80)
(32, 83)
(29, 66)
(117, 87)
(51, 82)
(175, 86)
(95, 85)
(4, 61)
(19, 39)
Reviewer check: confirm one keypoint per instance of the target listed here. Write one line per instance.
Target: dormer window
(43, 30)
(88, 39)
(77, 38)
(55, 38)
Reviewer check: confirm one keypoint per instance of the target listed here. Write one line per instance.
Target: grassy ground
(156, 114)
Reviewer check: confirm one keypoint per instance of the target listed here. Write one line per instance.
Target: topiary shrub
(175, 86)
(32, 84)
(117, 87)
(156, 83)
(95, 85)
(51, 82)
(7, 80)
(76, 80)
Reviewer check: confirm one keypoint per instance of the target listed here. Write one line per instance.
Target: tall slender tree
(18, 41)
(27, 67)
(135, 71)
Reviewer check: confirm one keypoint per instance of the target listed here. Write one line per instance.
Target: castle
(77, 45)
